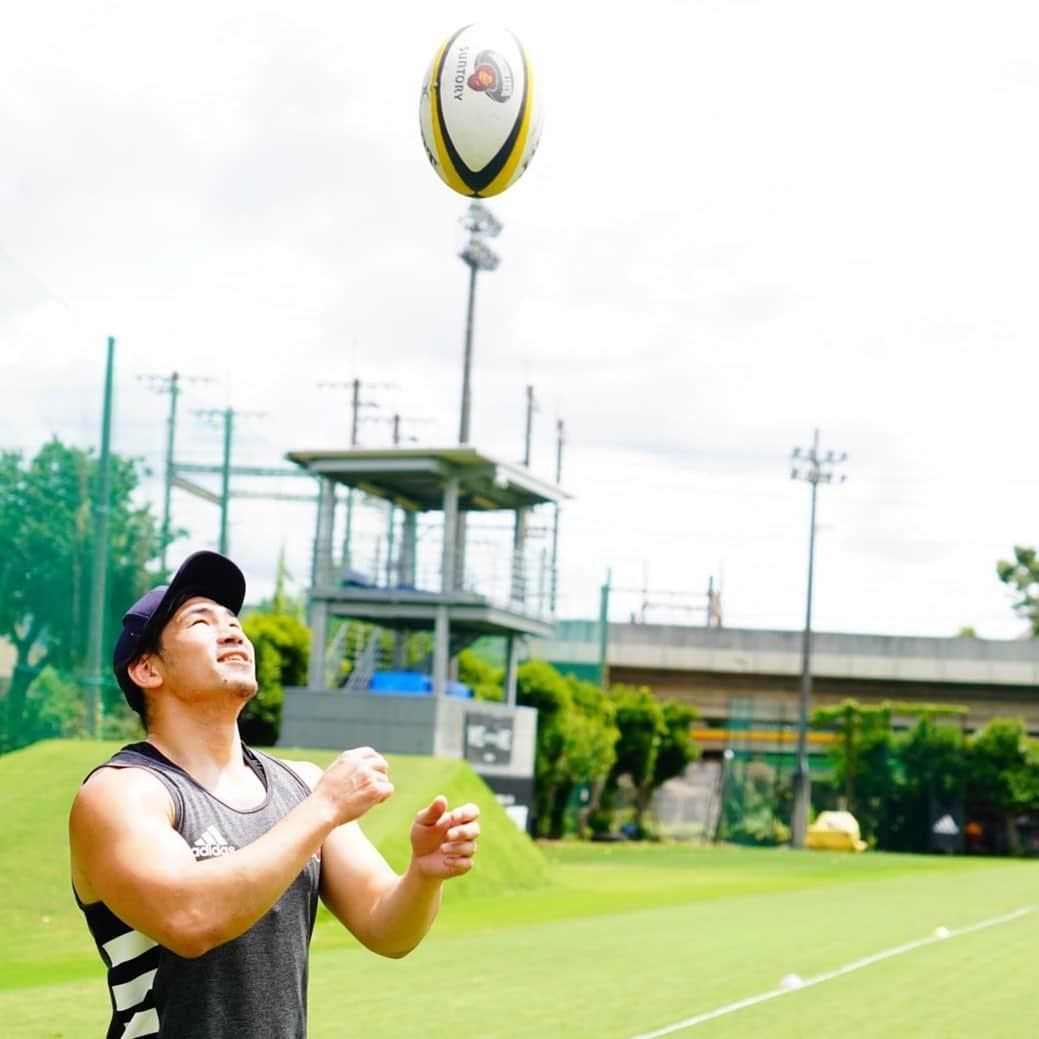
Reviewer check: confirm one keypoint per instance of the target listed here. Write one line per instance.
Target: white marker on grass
(764, 997)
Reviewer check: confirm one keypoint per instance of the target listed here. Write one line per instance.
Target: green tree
(541, 686)
(751, 804)
(931, 765)
(282, 645)
(576, 736)
(590, 750)
(677, 747)
(1003, 771)
(863, 760)
(1021, 575)
(485, 680)
(47, 529)
(654, 745)
(54, 708)
(640, 719)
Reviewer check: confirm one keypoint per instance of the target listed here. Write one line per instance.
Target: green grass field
(611, 941)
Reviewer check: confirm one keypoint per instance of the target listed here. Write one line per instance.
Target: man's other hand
(443, 842)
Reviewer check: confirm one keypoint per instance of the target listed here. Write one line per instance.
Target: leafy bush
(282, 645)
(485, 680)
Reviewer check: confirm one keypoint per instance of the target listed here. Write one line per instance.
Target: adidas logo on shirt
(211, 844)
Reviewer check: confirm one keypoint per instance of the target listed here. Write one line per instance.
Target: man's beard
(246, 688)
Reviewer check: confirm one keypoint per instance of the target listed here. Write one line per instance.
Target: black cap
(208, 574)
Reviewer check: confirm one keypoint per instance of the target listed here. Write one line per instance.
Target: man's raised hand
(356, 781)
(443, 842)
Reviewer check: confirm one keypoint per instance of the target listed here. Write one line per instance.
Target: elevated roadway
(734, 674)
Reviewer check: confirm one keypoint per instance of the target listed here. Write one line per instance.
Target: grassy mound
(508, 860)
(43, 933)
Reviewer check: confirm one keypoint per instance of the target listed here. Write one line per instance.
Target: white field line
(764, 997)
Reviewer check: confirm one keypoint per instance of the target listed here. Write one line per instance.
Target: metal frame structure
(450, 482)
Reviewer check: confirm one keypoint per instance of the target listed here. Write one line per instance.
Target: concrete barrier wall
(335, 720)
(446, 727)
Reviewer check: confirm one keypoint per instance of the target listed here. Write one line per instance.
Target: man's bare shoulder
(306, 770)
(111, 805)
(113, 790)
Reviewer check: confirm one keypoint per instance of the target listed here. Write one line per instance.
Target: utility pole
(531, 408)
(225, 479)
(391, 517)
(814, 468)
(478, 256)
(560, 440)
(714, 604)
(356, 406)
(227, 415)
(519, 533)
(604, 630)
(99, 572)
(171, 428)
(405, 564)
(169, 384)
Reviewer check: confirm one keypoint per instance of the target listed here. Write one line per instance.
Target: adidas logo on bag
(211, 844)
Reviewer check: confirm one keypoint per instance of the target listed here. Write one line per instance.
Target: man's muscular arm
(387, 912)
(126, 853)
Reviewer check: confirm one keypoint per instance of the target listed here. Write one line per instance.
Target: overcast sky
(745, 221)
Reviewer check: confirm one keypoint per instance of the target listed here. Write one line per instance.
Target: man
(198, 861)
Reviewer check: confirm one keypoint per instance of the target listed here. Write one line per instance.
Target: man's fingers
(459, 849)
(457, 866)
(373, 758)
(433, 812)
(466, 813)
(366, 756)
(468, 832)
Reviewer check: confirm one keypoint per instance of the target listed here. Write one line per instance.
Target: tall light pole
(99, 568)
(478, 256)
(814, 468)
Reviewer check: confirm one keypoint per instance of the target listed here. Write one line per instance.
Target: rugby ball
(479, 112)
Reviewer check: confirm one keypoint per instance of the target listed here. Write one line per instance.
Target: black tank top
(253, 987)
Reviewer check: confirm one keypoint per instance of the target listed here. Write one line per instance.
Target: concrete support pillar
(320, 578)
(511, 666)
(448, 585)
(518, 584)
(405, 574)
(318, 641)
(409, 540)
(449, 567)
(441, 651)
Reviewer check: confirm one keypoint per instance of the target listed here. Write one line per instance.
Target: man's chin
(245, 689)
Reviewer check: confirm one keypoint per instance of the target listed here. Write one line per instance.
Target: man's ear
(144, 673)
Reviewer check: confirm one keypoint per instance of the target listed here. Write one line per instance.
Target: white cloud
(745, 221)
